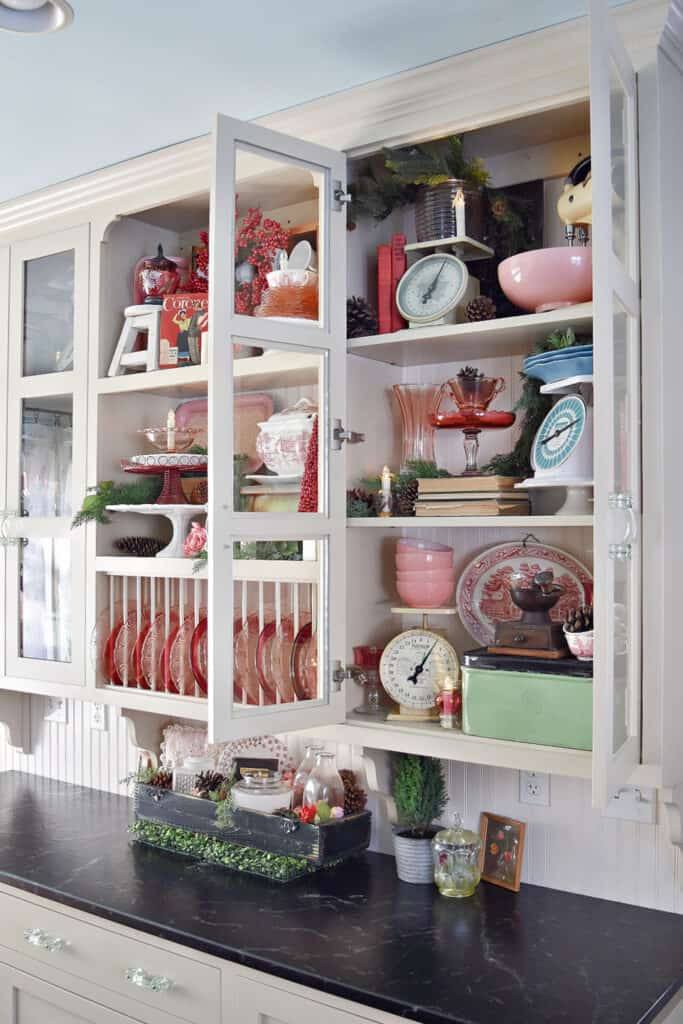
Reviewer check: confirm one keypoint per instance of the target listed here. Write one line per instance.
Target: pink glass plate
(273, 658)
(127, 644)
(303, 665)
(152, 661)
(180, 665)
(483, 594)
(246, 669)
(249, 411)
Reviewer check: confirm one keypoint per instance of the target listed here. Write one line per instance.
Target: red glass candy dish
(492, 419)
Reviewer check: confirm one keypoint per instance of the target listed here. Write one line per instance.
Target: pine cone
(139, 547)
(206, 782)
(361, 319)
(481, 308)
(355, 797)
(406, 496)
(579, 620)
(162, 779)
(200, 493)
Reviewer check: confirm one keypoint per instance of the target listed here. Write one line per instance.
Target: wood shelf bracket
(15, 715)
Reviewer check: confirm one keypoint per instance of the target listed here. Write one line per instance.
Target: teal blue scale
(559, 434)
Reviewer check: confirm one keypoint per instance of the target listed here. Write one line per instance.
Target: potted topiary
(419, 792)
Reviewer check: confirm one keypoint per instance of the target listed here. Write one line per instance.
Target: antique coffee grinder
(535, 634)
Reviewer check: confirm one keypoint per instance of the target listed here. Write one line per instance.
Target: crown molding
(672, 34)
(519, 76)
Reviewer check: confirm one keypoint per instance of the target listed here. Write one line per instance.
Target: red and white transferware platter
(483, 594)
(249, 410)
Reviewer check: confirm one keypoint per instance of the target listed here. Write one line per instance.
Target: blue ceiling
(131, 76)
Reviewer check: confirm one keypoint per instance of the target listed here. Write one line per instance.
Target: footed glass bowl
(158, 437)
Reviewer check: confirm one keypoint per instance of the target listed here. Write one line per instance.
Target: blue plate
(578, 366)
(560, 353)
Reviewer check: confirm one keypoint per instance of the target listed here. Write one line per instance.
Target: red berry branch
(256, 242)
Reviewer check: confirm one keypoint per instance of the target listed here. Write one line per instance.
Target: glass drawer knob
(150, 982)
(43, 940)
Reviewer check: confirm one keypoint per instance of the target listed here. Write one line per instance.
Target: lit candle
(385, 496)
(170, 430)
(459, 204)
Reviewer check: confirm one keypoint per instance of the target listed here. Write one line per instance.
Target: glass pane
(278, 237)
(45, 600)
(622, 184)
(46, 456)
(49, 314)
(622, 653)
(277, 634)
(623, 392)
(278, 401)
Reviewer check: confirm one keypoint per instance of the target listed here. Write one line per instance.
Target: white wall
(568, 846)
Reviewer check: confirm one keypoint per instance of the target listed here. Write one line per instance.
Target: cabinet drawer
(105, 958)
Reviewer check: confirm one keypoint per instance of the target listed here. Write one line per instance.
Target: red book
(399, 262)
(385, 298)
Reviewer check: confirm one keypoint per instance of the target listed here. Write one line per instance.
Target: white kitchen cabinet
(28, 1000)
(256, 1002)
(342, 586)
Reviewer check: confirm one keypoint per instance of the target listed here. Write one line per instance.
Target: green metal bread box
(528, 700)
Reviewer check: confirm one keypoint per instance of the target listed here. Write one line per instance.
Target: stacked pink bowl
(425, 577)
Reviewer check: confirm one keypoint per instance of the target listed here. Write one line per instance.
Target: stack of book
(471, 496)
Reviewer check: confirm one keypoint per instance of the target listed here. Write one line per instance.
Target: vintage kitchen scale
(562, 454)
(415, 664)
(535, 634)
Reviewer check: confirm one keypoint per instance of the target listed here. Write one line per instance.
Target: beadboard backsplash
(568, 844)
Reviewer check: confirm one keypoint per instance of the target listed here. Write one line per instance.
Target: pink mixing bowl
(424, 593)
(424, 560)
(548, 278)
(407, 545)
(425, 574)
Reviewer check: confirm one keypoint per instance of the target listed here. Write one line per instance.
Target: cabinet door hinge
(340, 197)
(341, 435)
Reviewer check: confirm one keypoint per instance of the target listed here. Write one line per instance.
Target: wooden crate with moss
(160, 814)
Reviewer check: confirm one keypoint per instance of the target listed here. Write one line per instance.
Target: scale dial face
(414, 665)
(559, 434)
(431, 288)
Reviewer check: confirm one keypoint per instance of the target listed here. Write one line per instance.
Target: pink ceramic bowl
(425, 574)
(424, 560)
(580, 644)
(421, 593)
(406, 545)
(548, 278)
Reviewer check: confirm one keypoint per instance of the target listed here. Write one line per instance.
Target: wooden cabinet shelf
(489, 338)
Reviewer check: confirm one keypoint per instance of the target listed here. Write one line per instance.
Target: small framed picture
(502, 850)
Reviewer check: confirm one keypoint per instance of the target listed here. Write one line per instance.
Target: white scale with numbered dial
(414, 666)
(562, 453)
(435, 290)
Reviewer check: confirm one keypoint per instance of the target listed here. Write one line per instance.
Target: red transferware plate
(492, 419)
(483, 594)
(249, 410)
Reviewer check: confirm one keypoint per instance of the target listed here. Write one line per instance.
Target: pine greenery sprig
(109, 492)
(419, 791)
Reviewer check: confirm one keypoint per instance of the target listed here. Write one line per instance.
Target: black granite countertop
(536, 956)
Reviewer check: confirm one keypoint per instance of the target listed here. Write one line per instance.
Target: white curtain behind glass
(45, 563)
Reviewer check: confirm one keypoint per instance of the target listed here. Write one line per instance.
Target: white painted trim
(528, 73)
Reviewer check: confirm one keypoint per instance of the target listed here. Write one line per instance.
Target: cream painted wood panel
(88, 952)
(27, 1000)
(256, 1002)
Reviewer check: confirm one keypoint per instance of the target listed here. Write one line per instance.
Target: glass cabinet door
(277, 378)
(616, 306)
(45, 458)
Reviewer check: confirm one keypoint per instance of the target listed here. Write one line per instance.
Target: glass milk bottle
(311, 751)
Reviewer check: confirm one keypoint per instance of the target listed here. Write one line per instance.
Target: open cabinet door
(616, 330)
(276, 574)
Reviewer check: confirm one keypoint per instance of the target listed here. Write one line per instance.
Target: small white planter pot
(414, 860)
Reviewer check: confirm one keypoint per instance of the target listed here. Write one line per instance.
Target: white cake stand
(579, 500)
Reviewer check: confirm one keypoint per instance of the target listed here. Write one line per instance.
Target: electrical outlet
(98, 717)
(56, 710)
(534, 788)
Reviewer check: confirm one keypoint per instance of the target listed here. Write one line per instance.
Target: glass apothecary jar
(185, 776)
(261, 789)
(457, 853)
(324, 783)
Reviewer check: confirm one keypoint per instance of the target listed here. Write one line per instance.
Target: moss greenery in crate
(419, 792)
(535, 408)
(217, 851)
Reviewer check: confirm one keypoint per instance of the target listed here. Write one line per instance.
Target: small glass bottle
(457, 853)
(185, 776)
(449, 701)
(311, 751)
(367, 660)
(324, 783)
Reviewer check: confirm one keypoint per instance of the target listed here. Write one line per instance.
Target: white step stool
(136, 319)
